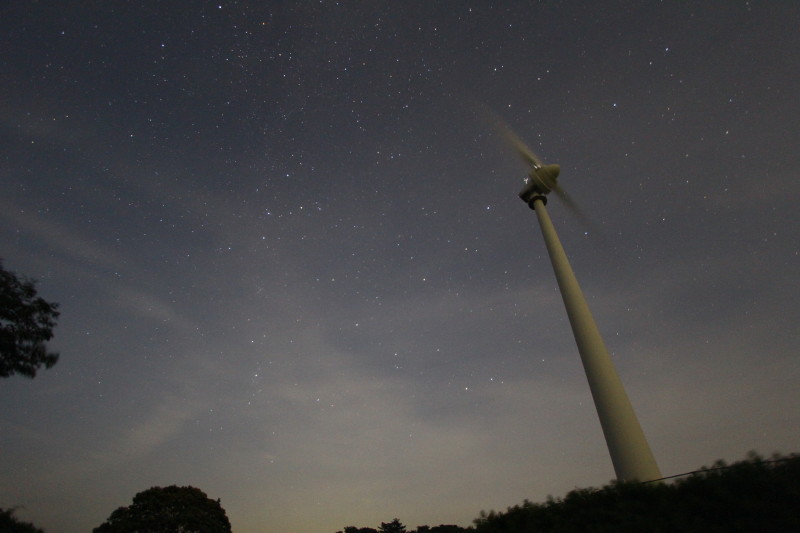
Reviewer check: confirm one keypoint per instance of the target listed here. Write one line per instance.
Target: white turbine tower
(630, 452)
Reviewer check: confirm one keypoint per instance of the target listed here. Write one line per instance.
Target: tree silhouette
(9, 524)
(751, 495)
(446, 528)
(26, 323)
(168, 510)
(354, 529)
(395, 526)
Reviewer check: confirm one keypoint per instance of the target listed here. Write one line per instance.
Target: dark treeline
(11, 524)
(751, 495)
(754, 495)
(395, 526)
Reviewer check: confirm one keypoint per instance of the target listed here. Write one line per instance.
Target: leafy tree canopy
(395, 526)
(26, 323)
(751, 495)
(170, 509)
(353, 529)
(9, 524)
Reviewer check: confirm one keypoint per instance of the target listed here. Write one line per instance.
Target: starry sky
(294, 271)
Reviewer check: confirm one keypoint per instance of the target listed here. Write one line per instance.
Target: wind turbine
(630, 452)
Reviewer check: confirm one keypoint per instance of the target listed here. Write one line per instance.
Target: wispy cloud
(59, 237)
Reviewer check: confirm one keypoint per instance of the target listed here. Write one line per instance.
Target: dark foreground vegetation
(26, 324)
(752, 495)
(170, 509)
(11, 524)
(395, 526)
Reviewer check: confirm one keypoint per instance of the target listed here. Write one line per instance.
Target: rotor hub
(541, 180)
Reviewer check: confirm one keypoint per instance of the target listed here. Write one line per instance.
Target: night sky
(294, 272)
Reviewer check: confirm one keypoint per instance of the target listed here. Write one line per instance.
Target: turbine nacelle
(541, 180)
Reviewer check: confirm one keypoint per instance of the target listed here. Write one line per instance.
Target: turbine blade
(526, 154)
(577, 212)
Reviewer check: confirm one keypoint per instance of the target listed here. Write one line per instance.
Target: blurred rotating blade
(567, 200)
(532, 160)
(526, 154)
(578, 213)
